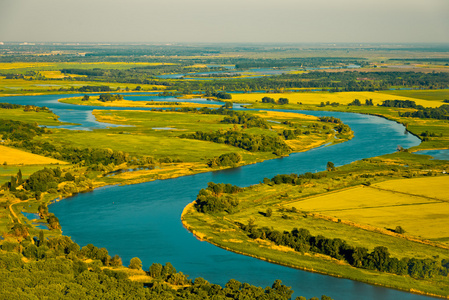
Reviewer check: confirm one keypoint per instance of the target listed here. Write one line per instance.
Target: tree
(19, 177)
(283, 101)
(85, 98)
(116, 261)
(228, 105)
(330, 166)
(399, 230)
(269, 212)
(135, 263)
(41, 241)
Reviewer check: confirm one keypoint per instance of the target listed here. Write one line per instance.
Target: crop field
(420, 206)
(316, 98)
(432, 187)
(437, 95)
(17, 157)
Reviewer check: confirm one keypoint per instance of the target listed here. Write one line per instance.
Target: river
(143, 220)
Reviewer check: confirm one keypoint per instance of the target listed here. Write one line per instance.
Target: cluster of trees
(379, 259)
(330, 120)
(280, 101)
(328, 103)
(357, 102)
(217, 197)
(58, 268)
(289, 134)
(227, 159)
(246, 120)
(94, 89)
(293, 178)
(250, 142)
(10, 106)
(439, 113)
(219, 95)
(19, 131)
(46, 180)
(110, 97)
(399, 103)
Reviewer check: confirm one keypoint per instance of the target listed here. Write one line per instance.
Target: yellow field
(58, 74)
(15, 157)
(434, 187)
(403, 202)
(22, 65)
(317, 97)
(286, 115)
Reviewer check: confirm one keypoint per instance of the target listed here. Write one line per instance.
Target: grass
(432, 95)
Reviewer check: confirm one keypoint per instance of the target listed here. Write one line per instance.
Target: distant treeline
(302, 62)
(439, 113)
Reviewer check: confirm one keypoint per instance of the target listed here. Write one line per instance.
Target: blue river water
(143, 220)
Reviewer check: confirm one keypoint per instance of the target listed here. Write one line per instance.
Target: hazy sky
(392, 21)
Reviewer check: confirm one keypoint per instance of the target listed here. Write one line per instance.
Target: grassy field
(432, 95)
(41, 117)
(315, 98)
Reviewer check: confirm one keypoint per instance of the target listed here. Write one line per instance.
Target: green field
(432, 95)
(41, 117)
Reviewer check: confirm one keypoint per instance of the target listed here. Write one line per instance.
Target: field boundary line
(407, 194)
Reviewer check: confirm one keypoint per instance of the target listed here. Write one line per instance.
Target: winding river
(143, 220)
